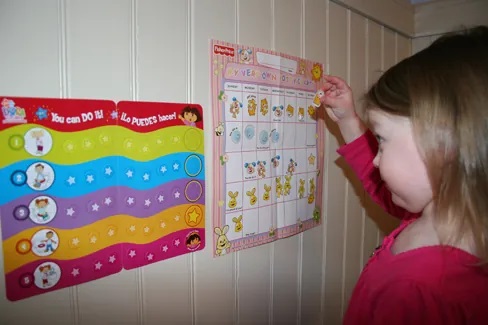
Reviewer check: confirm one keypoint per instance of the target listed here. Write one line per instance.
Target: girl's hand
(338, 99)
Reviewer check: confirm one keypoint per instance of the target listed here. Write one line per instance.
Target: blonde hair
(443, 89)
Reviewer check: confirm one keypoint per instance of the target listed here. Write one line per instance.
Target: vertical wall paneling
(214, 277)
(100, 65)
(354, 220)
(158, 50)
(336, 182)
(285, 262)
(162, 75)
(314, 48)
(253, 265)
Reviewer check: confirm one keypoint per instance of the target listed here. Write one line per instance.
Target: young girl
(428, 166)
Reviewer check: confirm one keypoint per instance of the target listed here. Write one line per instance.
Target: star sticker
(71, 180)
(132, 228)
(70, 147)
(105, 138)
(160, 198)
(107, 201)
(145, 176)
(132, 253)
(75, 272)
(177, 195)
(75, 241)
(108, 171)
(177, 242)
(41, 113)
(129, 173)
(177, 218)
(95, 207)
(311, 159)
(147, 202)
(165, 248)
(145, 149)
(98, 266)
(163, 225)
(87, 143)
(128, 144)
(146, 229)
(130, 201)
(150, 257)
(93, 239)
(111, 259)
(70, 212)
(114, 115)
(175, 166)
(110, 232)
(193, 216)
(163, 169)
(90, 179)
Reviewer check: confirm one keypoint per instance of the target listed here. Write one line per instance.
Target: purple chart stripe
(81, 211)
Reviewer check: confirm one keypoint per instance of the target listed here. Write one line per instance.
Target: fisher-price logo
(224, 50)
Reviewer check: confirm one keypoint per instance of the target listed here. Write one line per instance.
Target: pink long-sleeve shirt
(428, 285)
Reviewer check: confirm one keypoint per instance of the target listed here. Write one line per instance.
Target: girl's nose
(376, 160)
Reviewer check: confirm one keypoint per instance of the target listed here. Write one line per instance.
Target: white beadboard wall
(158, 50)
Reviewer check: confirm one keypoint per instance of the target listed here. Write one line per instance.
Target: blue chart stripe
(66, 181)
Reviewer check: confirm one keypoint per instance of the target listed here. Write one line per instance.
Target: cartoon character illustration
(233, 200)
(250, 167)
(275, 161)
(219, 130)
(193, 241)
(311, 196)
(301, 188)
(38, 135)
(278, 110)
(287, 185)
(190, 115)
(300, 224)
(41, 205)
(222, 96)
(291, 166)
(49, 241)
(317, 72)
(252, 197)
(318, 96)
(238, 222)
(279, 187)
(311, 159)
(251, 106)
(45, 272)
(301, 114)
(302, 67)
(267, 189)
(12, 113)
(290, 110)
(264, 106)
(40, 176)
(235, 106)
(311, 112)
(261, 168)
(272, 231)
(245, 55)
(222, 241)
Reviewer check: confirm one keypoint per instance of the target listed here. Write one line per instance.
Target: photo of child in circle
(193, 241)
(190, 116)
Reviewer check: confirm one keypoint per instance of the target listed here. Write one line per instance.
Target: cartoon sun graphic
(317, 72)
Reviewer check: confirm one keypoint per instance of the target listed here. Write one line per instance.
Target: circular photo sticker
(249, 131)
(42, 210)
(263, 137)
(47, 275)
(38, 141)
(40, 176)
(193, 240)
(45, 242)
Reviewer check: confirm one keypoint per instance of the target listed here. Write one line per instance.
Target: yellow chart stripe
(74, 243)
(78, 147)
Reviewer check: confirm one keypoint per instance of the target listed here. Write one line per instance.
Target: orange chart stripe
(35, 243)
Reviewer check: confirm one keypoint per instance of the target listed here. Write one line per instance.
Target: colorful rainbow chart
(91, 187)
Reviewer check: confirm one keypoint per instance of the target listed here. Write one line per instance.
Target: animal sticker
(264, 106)
(233, 200)
(222, 243)
(252, 197)
(238, 223)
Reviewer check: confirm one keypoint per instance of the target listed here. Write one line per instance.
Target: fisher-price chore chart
(268, 146)
(91, 187)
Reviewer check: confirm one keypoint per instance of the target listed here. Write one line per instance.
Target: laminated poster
(91, 187)
(268, 146)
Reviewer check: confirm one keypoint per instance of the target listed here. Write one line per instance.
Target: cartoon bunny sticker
(222, 241)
